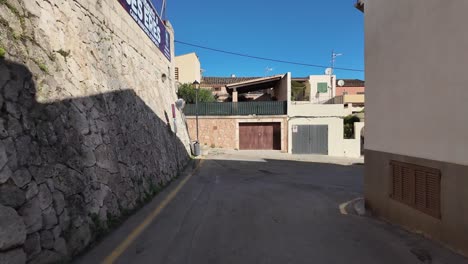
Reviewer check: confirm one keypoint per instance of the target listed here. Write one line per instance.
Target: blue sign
(145, 15)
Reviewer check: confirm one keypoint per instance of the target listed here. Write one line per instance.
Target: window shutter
(417, 187)
(322, 87)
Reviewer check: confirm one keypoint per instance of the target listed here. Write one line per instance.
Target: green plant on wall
(188, 93)
(2, 52)
(64, 53)
(41, 65)
(297, 91)
(349, 125)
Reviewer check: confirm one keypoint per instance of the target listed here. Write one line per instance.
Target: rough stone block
(3, 155)
(59, 202)
(64, 220)
(32, 245)
(50, 185)
(15, 256)
(14, 127)
(3, 131)
(46, 256)
(11, 91)
(32, 216)
(12, 229)
(49, 218)
(60, 246)
(5, 174)
(45, 196)
(69, 183)
(21, 177)
(32, 190)
(47, 239)
(105, 159)
(80, 237)
(11, 195)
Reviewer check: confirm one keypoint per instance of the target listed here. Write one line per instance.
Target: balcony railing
(239, 108)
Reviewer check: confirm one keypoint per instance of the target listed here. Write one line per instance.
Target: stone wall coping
(239, 117)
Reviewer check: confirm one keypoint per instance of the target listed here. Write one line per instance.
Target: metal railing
(239, 108)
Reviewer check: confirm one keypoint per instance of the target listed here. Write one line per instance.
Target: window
(322, 87)
(416, 186)
(177, 73)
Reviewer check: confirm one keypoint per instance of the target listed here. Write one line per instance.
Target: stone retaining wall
(85, 134)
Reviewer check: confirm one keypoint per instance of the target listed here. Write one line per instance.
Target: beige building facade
(417, 155)
(187, 68)
(224, 131)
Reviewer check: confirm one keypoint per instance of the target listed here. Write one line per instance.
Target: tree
(188, 93)
(297, 91)
(349, 125)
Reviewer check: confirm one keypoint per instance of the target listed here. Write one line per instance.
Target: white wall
(310, 109)
(352, 147)
(335, 132)
(416, 81)
(307, 113)
(320, 97)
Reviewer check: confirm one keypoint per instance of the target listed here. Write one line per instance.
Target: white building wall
(322, 97)
(307, 109)
(335, 132)
(416, 81)
(352, 147)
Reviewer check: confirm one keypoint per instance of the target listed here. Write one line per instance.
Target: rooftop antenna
(267, 71)
(330, 70)
(163, 9)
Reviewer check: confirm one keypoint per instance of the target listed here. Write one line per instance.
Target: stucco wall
(189, 68)
(352, 147)
(414, 63)
(283, 89)
(310, 109)
(416, 109)
(84, 127)
(321, 97)
(349, 90)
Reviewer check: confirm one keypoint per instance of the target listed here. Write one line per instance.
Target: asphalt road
(247, 209)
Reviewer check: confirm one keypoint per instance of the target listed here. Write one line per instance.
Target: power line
(265, 59)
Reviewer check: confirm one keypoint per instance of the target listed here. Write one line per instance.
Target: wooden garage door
(260, 136)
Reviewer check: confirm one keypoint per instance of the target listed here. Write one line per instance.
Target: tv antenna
(267, 71)
(330, 71)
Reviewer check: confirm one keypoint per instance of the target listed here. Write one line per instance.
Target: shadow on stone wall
(70, 167)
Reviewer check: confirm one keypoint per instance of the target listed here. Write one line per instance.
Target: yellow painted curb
(117, 252)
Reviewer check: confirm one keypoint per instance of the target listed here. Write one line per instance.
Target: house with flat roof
(187, 68)
(274, 120)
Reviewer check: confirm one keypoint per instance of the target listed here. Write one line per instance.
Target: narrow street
(254, 207)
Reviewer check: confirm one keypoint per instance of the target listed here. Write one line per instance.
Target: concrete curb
(359, 207)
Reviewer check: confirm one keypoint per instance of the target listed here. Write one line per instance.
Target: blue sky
(295, 30)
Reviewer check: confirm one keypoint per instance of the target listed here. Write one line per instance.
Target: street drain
(422, 255)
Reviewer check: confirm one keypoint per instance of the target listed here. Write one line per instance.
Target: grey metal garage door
(310, 139)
